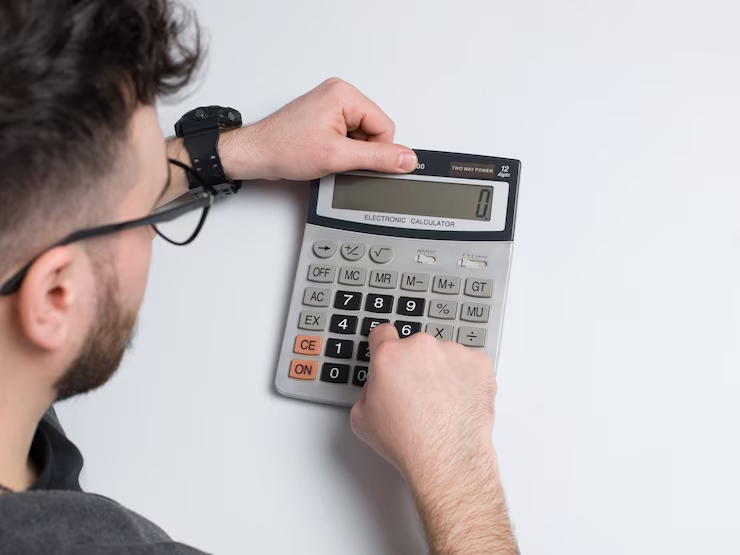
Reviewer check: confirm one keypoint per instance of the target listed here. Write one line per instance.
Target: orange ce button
(307, 345)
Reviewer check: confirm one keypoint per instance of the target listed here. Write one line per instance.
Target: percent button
(442, 309)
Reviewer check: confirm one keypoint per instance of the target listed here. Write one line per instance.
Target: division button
(303, 369)
(315, 321)
(321, 273)
(324, 249)
(443, 332)
(316, 297)
(307, 345)
(472, 337)
(479, 288)
(353, 251)
(381, 254)
(334, 373)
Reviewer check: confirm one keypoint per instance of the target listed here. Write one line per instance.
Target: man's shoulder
(68, 522)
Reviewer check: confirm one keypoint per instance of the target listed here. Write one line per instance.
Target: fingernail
(407, 161)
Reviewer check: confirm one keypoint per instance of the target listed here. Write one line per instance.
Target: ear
(50, 296)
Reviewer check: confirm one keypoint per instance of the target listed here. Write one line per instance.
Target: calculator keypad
(366, 297)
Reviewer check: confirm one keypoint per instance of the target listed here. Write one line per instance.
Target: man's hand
(427, 407)
(330, 129)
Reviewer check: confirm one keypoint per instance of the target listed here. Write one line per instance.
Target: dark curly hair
(71, 74)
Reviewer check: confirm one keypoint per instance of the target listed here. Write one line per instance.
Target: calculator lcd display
(418, 198)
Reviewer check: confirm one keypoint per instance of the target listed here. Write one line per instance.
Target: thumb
(353, 154)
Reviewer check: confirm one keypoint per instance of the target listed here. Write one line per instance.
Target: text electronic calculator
(428, 252)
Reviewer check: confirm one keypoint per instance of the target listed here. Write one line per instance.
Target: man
(80, 148)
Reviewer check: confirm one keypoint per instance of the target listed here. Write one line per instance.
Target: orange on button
(304, 369)
(307, 345)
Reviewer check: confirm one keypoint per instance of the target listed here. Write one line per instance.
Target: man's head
(80, 146)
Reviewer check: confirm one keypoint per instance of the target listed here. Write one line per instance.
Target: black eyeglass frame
(204, 201)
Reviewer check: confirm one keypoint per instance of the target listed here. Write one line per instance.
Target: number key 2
(379, 303)
(406, 329)
(411, 306)
(348, 300)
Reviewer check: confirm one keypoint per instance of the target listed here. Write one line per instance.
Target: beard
(105, 345)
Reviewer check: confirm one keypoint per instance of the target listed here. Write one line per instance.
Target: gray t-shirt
(56, 517)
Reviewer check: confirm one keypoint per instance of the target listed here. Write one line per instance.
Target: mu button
(307, 345)
(304, 369)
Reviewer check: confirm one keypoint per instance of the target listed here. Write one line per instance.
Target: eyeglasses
(179, 225)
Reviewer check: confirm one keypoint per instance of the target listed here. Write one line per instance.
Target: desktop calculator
(427, 251)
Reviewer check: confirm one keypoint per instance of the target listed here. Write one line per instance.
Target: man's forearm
(464, 511)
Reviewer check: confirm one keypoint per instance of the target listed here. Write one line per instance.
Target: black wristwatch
(201, 128)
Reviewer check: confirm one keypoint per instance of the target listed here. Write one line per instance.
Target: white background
(617, 416)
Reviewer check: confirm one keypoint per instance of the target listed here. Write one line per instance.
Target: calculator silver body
(445, 276)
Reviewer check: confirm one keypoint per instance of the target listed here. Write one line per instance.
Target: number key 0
(379, 303)
(411, 306)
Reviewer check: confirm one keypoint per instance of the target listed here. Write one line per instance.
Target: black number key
(339, 348)
(348, 300)
(411, 306)
(334, 373)
(360, 376)
(369, 323)
(363, 351)
(379, 303)
(340, 323)
(406, 329)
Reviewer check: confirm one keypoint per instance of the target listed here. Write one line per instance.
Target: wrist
(242, 154)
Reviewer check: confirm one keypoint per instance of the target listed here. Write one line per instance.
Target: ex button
(307, 345)
(315, 321)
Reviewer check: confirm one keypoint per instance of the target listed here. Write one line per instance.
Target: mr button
(303, 369)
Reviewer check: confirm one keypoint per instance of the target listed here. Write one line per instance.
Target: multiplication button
(443, 332)
(472, 337)
(321, 273)
(381, 254)
(324, 249)
(447, 285)
(353, 251)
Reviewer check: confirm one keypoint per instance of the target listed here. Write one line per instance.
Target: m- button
(304, 369)
(307, 345)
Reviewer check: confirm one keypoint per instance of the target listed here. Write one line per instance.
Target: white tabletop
(617, 414)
